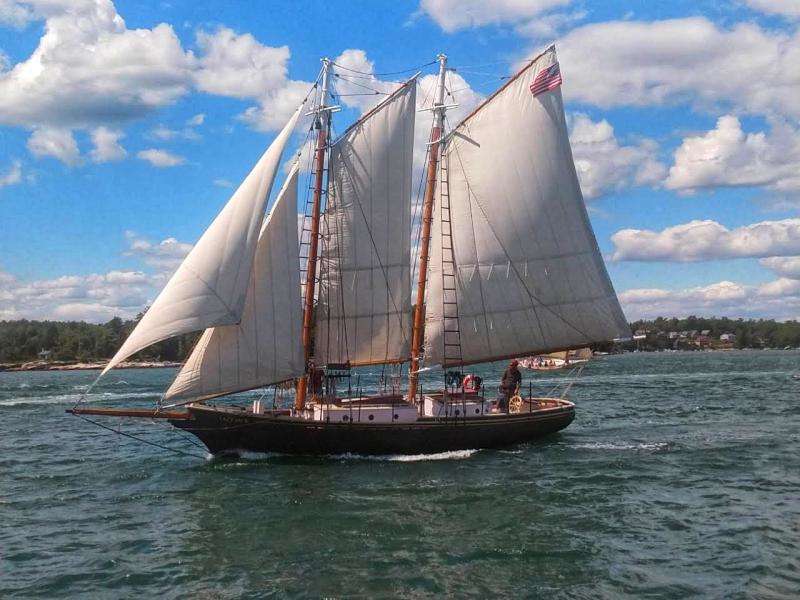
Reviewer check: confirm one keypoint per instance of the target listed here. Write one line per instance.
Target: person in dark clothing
(509, 385)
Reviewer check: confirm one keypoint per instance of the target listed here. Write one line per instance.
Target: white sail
(209, 287)
(364, 309)
(530, 277)
(265, 347)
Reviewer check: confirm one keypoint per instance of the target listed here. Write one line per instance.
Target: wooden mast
(322, 122)
(418, 331)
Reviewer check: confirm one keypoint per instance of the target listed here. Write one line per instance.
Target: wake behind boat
(508, 266)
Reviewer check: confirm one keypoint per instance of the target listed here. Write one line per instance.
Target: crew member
(509, 385)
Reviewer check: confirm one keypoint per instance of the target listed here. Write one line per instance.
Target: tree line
(22, 340)
(750, 333)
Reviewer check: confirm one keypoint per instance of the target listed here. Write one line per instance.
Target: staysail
(529, 274)
(364, 310)
(265, 346)
(210, 286)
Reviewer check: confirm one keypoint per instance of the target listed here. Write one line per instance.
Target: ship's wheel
(515, 404)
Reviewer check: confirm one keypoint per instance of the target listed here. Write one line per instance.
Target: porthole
(477, 411)
(372, 417)
(396, 417)
(345, 418)
(458, 412)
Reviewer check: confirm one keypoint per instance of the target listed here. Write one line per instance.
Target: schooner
(507, 266)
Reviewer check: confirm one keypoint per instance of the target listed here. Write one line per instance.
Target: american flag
(546, 80)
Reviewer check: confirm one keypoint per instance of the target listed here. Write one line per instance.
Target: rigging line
(366, 87)
(531, 295)
(417, 68)
(139, 439)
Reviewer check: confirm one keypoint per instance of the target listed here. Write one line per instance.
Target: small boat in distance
(507, 266)
(556, 361)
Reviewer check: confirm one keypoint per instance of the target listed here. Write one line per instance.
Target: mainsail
(210, 286)
(529, 274)
(265, 346)
(364, 309)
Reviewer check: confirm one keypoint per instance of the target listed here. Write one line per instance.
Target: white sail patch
(364, 310)
(519, 221)
(210, 286)
(265, 347)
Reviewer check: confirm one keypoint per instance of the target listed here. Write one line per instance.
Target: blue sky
(124, 125)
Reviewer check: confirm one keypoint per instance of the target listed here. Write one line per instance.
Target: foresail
(265, 347)
(364, 310)
(209, 287)
(530, 277)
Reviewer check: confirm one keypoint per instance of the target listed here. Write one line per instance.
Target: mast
(322, 123)
(418, 331)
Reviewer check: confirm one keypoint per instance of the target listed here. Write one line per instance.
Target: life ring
(469, 383)
(515, 404)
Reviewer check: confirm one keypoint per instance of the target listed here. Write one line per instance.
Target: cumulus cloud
(160, 158)
(238, 65)
(90, 69)
(452, 15)
(15, 14)
(708, 240)
(12, 175)
(786, 8)
(96, 297)
(603, 165)
(692, 60)
(55, 142)
(726, 156)
(106, 145)
(783, 266)
(778, 299)
(165, 255)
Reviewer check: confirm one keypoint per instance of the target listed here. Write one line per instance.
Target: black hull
(225, 430)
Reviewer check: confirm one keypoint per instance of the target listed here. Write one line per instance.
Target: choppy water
(680, 477)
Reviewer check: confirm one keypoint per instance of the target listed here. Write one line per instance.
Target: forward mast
(418, 331)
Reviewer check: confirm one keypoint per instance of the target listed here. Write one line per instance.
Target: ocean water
(679, 478)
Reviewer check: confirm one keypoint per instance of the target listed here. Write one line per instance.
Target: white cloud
(603, 165)
(90, 69)
(726, 156)
(239, 65)
(277, 106)
(160, 158)
(708, 240)
(196, 120)
(223, 183)
(783, 266)
(15, 14)
(780, 288)
(56, 142)
(787, 8)
(13, 175)
(165, 255)
(106, 145)
(90, 297)
(778, 299)
(692, 60)
(452, 15)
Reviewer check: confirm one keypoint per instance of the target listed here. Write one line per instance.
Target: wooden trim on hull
(230, 431)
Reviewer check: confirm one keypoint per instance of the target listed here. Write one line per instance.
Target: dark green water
(679, 478)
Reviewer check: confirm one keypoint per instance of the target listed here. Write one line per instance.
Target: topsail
(209, 287)
(529, 276)
(364, 309)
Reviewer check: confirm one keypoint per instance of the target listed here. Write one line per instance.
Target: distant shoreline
(39, 365)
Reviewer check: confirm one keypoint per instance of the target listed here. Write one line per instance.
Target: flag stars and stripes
(546, 80)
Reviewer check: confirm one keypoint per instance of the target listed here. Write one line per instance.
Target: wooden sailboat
(555, 361)
(508, 266)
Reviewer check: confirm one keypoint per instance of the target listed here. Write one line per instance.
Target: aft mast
(418, 331)
(322, 119)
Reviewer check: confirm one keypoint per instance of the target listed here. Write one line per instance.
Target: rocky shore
(55, 365)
